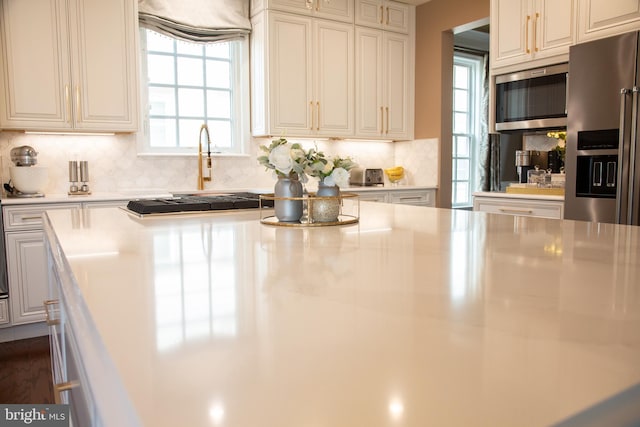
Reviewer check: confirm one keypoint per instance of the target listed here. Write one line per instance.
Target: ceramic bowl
(29, 179)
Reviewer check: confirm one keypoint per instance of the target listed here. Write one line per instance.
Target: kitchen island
(414, 316)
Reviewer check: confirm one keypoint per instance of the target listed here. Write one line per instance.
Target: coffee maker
(523, 164)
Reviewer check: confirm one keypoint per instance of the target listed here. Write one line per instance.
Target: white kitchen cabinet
(372, 196)
(384, 14)
(26, 262)
(69, 65)
(520, 206)
(69, 377)
(412, 196)
(26, 267)
(604, 18)
(528, 30)
(384, 84)
(302, 76)
(336, 10)
(4, 312)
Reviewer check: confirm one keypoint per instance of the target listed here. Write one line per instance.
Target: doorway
(470, 92)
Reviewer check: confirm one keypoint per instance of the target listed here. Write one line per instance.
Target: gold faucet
(201, 177)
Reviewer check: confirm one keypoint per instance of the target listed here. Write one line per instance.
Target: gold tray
(349, 210)
(553, 191)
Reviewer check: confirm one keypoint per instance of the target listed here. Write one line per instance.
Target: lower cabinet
(27, 274)
(26, 258)
(69, 378)
(520, 206)
(418, 197)
(4, 311)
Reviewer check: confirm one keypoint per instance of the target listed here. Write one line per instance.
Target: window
(188, 84)
(466, 108)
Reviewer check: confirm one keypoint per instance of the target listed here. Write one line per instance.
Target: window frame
(240, 118)
(474, 64)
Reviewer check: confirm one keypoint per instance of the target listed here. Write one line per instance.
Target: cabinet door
(398, 91)
(369, 83)
(334, 78)
(388, 15)
(337, 10)
(35, 68)
(290, 75)
(511, 32)
(396, 17)
(604, 18)
(554, 26)
(104, 63)
(369, 13)
(27, 272)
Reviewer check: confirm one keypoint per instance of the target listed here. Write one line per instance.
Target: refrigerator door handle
(620, 191)
(632, 200)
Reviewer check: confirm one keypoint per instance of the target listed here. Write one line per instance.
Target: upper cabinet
(69, 65)
(337, 10)
(604, 18)
(384, 78)
(320, 77)
(302, 76)
(383, 14)
(529, 30)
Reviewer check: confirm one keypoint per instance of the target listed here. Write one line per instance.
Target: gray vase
(288, 210)
(326, 210)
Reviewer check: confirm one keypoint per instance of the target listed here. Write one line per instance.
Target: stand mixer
(27, 179)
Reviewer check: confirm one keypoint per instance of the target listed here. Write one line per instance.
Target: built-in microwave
(532, 99)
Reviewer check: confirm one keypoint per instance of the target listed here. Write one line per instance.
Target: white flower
(339, 177)
(328, 167)
(281, 158)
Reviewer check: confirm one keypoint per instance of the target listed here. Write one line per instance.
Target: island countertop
(414, 316)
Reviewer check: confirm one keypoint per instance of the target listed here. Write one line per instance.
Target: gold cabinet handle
(78, 114)
(62, 387)
(318, 107)
(535, 32)
(381, 15)
(387, 132)
(312, 115)
(387, 15)
(67, 101)
(381, 120)
(47, 315)
(526, 34)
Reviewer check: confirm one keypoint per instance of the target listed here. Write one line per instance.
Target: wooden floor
(25, 371)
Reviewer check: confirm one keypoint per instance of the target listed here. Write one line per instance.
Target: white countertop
(134, 194)
(94, 197)
(413, 317)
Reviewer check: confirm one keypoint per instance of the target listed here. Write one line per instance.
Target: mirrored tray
(348, 205)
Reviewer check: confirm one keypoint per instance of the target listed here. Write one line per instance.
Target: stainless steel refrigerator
(603, 171)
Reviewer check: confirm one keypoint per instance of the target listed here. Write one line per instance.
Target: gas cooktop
(198, 203)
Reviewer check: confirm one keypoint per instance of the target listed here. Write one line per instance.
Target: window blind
(202, 21)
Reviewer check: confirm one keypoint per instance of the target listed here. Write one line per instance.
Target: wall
(434, 64)
(115, 166)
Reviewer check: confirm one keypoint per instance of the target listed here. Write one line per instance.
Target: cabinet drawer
(4, 311)
(29, 217)
(541, 209)
(420, 198)
(373, 196)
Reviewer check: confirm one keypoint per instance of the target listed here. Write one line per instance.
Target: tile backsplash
(114, 164)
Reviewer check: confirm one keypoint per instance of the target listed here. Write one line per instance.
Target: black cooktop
(198, 203)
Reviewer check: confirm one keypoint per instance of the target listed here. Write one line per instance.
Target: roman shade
(201, 21)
